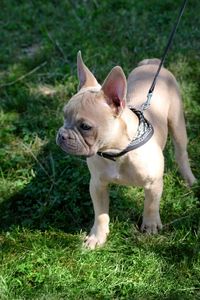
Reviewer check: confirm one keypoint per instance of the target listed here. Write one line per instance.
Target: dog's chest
(113, 173)
(122, 172)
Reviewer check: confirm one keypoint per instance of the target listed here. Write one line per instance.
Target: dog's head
(92, 119)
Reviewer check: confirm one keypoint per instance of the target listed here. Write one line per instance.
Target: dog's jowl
(99, 124)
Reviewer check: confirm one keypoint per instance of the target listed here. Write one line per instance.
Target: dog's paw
(151, 225)
(94, 239)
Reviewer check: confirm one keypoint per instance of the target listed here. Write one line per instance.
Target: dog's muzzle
(71, 142)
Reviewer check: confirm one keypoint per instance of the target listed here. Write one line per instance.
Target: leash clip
(147, 103)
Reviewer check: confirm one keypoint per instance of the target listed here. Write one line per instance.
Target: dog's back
(140, 80)
(151, 61)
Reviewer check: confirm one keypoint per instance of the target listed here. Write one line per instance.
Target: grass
(45, 208)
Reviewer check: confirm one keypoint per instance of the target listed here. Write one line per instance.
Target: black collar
(144, 133)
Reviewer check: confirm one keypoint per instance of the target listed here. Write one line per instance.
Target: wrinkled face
(92, 118)
(88, 122)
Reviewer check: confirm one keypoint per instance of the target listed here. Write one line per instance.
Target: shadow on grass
(46, 203)
(56, 195)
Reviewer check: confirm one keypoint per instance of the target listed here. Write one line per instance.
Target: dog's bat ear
(115, 88)
(86, 78)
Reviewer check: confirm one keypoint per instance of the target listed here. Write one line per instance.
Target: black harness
(144, 133)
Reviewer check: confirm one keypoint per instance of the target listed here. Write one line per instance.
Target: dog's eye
(85, 126)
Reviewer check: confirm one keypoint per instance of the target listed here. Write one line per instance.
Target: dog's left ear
(115, 88)
(86, 78)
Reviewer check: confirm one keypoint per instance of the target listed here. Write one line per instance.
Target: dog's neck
(123, 133)
(131, 121)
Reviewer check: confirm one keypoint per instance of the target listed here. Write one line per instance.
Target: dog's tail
(153, 61)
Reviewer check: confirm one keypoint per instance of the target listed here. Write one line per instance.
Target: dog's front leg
(151, 216)
(100, 229)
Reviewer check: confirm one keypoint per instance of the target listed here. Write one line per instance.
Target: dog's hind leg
(178, 130)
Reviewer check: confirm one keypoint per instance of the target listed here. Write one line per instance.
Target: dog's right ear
(86, 78)
(115, 89)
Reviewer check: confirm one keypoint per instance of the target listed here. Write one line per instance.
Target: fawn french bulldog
(99, 124)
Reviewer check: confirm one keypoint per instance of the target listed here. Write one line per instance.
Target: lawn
(45, 207)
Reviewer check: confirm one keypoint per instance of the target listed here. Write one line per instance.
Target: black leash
(146, 104)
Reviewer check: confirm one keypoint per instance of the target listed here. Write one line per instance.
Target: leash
(147, 103)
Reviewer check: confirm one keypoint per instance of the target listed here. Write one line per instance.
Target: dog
(99, 124)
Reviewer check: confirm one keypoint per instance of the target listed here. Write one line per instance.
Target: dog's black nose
(63, 136)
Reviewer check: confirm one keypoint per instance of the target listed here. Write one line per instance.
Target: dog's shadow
(58, 196)
(57, 200)
(57, 193)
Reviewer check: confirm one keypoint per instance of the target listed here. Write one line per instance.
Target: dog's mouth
(73, 143)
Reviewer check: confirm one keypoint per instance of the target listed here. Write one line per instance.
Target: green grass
(45, 207)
